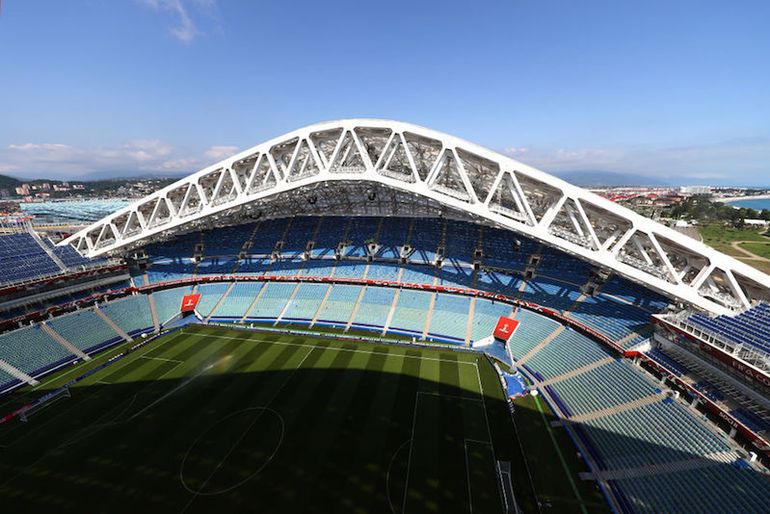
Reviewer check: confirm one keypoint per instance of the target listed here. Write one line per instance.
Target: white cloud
(220, 152)
(56, 160)
(728, 161)
(185, 29)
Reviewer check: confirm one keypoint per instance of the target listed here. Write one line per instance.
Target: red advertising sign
(505, 328)
(189, 302)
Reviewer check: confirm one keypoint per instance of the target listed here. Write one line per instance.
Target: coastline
(731, 199)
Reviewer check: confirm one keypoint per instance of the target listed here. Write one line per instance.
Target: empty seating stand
(32, 350)
(22, 258)
(750, 327)
(73, 328)
(132, 314)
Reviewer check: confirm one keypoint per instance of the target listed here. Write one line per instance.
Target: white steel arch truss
(443, 170)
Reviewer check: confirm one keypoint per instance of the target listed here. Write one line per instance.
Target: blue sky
(675, 90)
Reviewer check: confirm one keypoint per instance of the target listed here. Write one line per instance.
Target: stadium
(372, 316)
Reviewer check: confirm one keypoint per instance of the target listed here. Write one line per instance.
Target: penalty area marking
(387, 475)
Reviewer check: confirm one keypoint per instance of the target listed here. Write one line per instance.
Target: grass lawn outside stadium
(212, 419)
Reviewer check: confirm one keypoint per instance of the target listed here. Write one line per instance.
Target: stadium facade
(380, 167)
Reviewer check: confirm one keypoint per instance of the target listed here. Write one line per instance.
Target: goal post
(43, 402)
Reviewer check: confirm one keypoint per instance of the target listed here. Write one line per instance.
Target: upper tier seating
(32, 350)
(634, 294)
(167, 270)
(226, 240)
(360, 231)
(132, 315)
(504, 249)
(350, 269)
(329, 235)
(499, 282)
(392, 237)
(22, 258)
(181, 246)
(318, 268)
(254, 266)
(300, 232)
(383, 271)
(461, 241)
(455, 272)
(413, 274)
(545, 291)
(269, 232)
(557, 264)
(750, 327)
(214, 266)
(285, 268)
(426, 238)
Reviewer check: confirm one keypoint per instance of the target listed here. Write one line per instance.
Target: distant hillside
(608, 178)
(8, 183)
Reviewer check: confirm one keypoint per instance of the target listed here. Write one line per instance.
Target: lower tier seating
(31, 349)
(600, 388)
(375, 306)
(169, 301)
(716, 488)
(652, 434)
(73, 329)
(132, 314)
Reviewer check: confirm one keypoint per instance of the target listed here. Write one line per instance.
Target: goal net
(44, 402)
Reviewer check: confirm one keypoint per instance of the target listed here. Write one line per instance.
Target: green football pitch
(210, 419)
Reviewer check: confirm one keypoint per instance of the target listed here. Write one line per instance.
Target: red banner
(505, 328)
(189, 302)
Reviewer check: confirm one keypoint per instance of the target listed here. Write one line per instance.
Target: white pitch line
(453, 396)
(160, 359)
(177, 388)
(283, 343)
(237, 442)
(468, 476)
(411, 447)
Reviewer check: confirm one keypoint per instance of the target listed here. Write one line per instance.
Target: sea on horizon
(752, 204)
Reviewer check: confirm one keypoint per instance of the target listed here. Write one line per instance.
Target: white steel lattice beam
(432, 165)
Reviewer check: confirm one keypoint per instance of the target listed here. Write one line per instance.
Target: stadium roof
(367, 166)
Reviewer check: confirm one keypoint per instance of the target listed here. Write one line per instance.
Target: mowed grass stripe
(376, 428)
(481, 478)
(319, 456)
